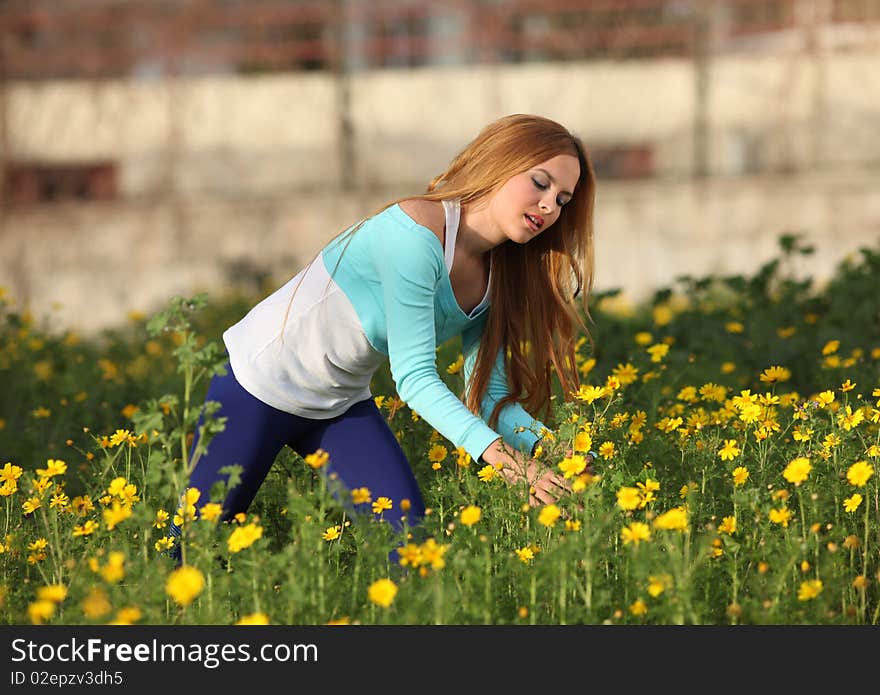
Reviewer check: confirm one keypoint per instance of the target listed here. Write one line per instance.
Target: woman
(497, 250)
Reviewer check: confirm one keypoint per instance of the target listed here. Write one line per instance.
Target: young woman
(498, 250)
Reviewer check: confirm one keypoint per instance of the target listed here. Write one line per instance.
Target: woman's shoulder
(428, 213)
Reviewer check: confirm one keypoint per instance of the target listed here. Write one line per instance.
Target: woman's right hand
(545, 486)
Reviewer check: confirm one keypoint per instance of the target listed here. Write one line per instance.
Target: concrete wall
(217, 171)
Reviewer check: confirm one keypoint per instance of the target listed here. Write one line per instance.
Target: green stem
(187, 389)
(533, 590)
(487, 586)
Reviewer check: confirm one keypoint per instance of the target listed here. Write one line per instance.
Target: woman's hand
(545, 486)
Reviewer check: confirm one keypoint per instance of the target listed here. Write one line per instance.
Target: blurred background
(151, 148)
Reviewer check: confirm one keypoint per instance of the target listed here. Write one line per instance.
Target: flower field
(737, 426)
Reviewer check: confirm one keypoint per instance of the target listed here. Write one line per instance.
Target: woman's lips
(535, 222)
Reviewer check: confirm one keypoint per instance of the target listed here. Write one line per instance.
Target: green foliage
(705, 402)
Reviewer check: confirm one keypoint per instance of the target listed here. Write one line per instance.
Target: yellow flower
(317, 459)
(626, 373)
(635, 533)
(40, 611)
(797, 470)
(669, 424)
(525, 554)
(802, 434)
(87, 529)
(381, 505)
(606, 450)
(253, 619)
(487, 473)
(470, 515)
(658, 351)
(10, 473)
(586, 366)
(572, 465)
(40, 485)
(361, 495)
(676, 519)
(382, 592)
(82, 505)
(187, 509)
(30, 505)
(850, 504)
(588, 394)
(688, 394)
(549, 515)
(185, 584)
(52, 592)
(809, 589)
(750, 413)
(95, 604)
(582, 441)
(437, 453)
(463, 458)
(729, 451)
(781, 516)
(860, 582)
(629, 498)
(825, 398)
(243, 537)
(728, 525)
(657, 584)
(859, 473)
(332, 533)
(59, 500)
(775, 374)
(847, 386)
(646, 492)
(849, 420)
(638, 608)
(830, 347)
(456, 366)
(114, 570)
(116, 514)
(163, 544)
(53, 467)
(128, 616)
(211, 511)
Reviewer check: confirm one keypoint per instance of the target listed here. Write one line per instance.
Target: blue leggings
(363, 451)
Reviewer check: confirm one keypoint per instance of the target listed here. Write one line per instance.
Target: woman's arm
(409, 264)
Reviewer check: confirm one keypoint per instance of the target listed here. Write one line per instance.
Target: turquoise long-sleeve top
(381, 293)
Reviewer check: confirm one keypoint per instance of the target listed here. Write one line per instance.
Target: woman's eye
(560, 201)
(539, 185)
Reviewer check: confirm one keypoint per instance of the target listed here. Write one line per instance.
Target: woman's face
(529, 203)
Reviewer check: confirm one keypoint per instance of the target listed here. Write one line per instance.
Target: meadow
(736, 421)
